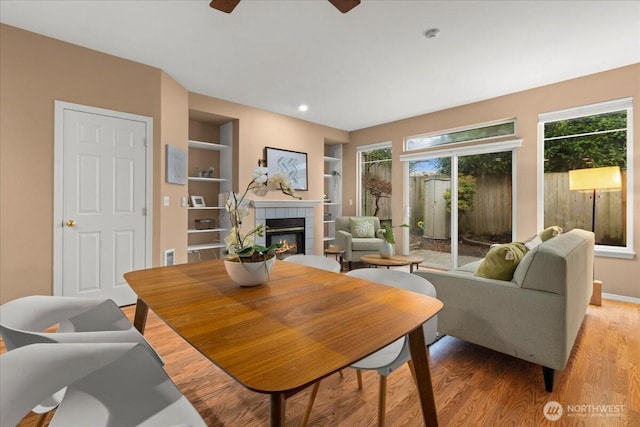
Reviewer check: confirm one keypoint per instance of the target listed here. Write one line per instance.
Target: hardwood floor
(473, 386)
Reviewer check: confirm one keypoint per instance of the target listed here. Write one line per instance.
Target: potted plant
(387, 250)
(249, 264)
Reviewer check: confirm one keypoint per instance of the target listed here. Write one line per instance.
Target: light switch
(165, 201)
(350, 202)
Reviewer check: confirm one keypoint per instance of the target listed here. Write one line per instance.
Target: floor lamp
(592, 179)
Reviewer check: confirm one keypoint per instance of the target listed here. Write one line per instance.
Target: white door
(102, 219)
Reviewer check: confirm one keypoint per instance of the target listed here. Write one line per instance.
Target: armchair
(354, 245)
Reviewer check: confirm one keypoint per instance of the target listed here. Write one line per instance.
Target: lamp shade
(595, 178)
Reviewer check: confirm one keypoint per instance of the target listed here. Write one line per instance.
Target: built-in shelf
(203, 179)
(210, 147)
(206, 208)
(207, 145)
(332, 188)
(329, 159)
(206, 230)
(204, 246)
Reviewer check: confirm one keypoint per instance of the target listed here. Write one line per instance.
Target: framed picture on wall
(291, 163)
(176, 171)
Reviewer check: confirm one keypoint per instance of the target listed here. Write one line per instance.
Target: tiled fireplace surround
(270, 209)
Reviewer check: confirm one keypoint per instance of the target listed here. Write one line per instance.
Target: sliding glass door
(459, 204)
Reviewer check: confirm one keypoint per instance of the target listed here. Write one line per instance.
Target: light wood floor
(473, 386)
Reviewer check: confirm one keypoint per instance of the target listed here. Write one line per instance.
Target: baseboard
(622, 298)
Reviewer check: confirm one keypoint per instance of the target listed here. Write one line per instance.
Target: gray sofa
(355, 247)
(536, 316)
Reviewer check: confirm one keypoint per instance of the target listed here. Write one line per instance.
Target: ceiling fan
(227, 6)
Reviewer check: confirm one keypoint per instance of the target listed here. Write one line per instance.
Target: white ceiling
(370, 66)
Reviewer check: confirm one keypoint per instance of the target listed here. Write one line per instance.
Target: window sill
(613, 252)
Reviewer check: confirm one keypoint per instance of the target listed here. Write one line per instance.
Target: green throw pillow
(361, 226)
(501, 261)
(549, 232)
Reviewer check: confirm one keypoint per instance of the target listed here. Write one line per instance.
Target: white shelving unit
(212, 189)
(332, 190)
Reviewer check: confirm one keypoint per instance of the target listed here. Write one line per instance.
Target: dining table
(280, 337)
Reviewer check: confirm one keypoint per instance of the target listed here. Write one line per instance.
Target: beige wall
(619, 276)
(170, 227)
(36, 70)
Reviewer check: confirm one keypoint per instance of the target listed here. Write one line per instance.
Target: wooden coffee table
(394, 261)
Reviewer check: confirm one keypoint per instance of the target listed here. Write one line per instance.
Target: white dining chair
(108, 384)
(53, 319)
(396, 354)
(317, 261)
(28, 320)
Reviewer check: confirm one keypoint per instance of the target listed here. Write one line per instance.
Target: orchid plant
(241, 246)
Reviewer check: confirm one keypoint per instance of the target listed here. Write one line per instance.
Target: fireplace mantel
(284, 203)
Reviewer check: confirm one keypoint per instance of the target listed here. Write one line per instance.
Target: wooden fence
(569, 209)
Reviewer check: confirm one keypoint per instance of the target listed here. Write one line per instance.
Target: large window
(374, 164)
(579, 144)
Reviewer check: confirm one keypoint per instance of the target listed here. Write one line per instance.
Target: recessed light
(303, 107)
(432, 33)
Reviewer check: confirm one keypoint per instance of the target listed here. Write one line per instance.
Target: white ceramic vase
(249, 273)
(387, 250)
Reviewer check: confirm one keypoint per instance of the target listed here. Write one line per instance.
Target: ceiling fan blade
(226, 6)
(345, 6)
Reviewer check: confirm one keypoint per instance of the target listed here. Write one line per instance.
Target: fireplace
(289, 232)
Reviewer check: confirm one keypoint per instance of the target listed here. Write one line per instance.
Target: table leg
(410, 267)
(277, 410)
(420, 358)
(140, 317)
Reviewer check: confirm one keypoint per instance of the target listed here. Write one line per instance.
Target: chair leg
(412, 368)
(359, 375)
(312, 398)
(382, 400)
(349, 265)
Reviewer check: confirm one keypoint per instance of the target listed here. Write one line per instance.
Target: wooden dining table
(278, 338)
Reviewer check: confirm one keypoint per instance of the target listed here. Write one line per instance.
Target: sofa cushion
(550, 232)
(523, 267)
(366, 244)
(362, 226)
(501, 261)
(533, 242)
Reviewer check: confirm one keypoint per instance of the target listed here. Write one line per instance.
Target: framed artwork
(176, 163)
(291, 163)
(198, 202)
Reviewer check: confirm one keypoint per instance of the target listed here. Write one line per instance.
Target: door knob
(71, 223)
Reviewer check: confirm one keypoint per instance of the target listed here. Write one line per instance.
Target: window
(472, 133)
(587, 140)
(374, 172)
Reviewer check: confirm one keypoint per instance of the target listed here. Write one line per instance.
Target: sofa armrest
(343, 239)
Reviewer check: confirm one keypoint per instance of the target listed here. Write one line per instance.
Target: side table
(337, 252)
